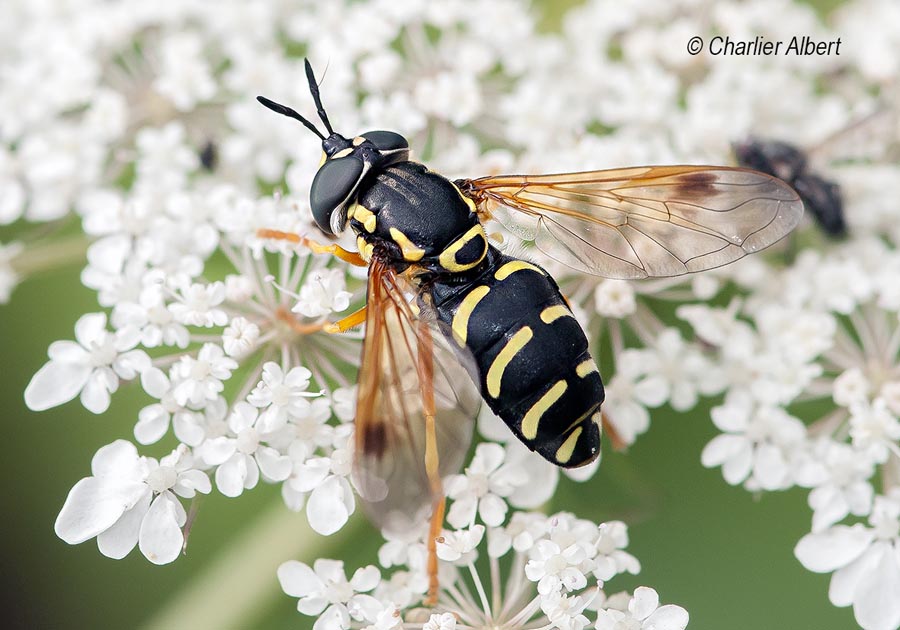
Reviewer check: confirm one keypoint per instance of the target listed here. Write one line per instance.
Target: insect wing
(650, 221)
(408, 367)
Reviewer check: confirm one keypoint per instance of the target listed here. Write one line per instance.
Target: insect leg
(609, 428)
(346, 323)
(317, 248)
(432, 459)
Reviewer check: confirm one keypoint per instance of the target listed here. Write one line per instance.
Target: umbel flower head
(141, 128)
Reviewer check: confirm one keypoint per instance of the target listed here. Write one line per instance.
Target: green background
(720, 552)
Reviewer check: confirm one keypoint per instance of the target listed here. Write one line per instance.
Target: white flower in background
(756, 444)
(153, 420)
(483, 487)
(240, 457)
(132, 500)
(198, 380)
(196, 305)
(90, 366)
(323, 293)
(546, 581)
(865, 563)
(324, 590)
(643, 613)
(281, 395)
(8, 276)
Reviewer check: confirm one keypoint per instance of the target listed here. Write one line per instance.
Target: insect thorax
(418, 217)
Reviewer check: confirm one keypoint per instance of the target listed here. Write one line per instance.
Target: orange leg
(609, 429)
(432, 460)
(317, 248)
(346, 323)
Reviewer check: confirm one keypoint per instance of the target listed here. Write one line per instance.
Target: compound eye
(334, 182)
(386, 140)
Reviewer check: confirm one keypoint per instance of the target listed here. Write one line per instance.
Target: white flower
(553, 567)
(241, 456)
(196, 305)
(199, 380)
(630, 392)
(611, 558)
(90, 366)
(614, 298)
(564, 611)
(483, 487)
(865, 563)
(756, 443)
(185, 75)
(874, 429)
(459, 546)
(282, 395)
(845, 487)
(324, 590)
(152, 318)
(323, 293)
(153, 420)
(131, 500)
(442, 621)
(239, 337)
(644, 613)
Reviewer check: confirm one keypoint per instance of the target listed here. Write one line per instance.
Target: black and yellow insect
(446, 309)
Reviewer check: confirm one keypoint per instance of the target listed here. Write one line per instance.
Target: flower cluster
(141, 128)
(556, 570)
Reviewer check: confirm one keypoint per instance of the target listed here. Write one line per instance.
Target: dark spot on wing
(374, 439)
(696, 185)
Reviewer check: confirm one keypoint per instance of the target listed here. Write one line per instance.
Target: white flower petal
(299, 580)
(833, 548)
(273, 465)
(328, 507)
(94, 504)
(231, 475)
(645, 601)
(160, 538)
(118, 541)
(877, 602)
(95, 395)
(55, 384)
(668, 617)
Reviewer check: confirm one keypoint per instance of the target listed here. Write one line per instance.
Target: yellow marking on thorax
(552, 313)
(447, 259)
(365, 249)
(533, 416)
(511, 267)
(342, 153)
(512, 347)
(364, 216)
(564, 454)
(322, 159)
(358, 140)
(586, 367)
(410, 251)
(466, 199)
(461, 318)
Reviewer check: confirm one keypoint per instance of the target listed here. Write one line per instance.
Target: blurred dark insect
(822, 197)
(872, 137)
(209, 156)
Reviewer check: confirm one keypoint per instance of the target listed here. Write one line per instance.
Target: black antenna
(290, 113)
(314, 88)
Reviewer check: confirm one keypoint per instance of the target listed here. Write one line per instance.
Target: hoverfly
(451, 320)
